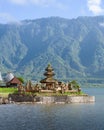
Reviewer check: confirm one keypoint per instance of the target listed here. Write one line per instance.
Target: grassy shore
(60, 94)
(5, 91)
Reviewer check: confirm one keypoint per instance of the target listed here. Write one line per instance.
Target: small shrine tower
(49, 80)
(49, 72)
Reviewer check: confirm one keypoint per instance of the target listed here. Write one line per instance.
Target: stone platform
(53, 99)
(65, 99)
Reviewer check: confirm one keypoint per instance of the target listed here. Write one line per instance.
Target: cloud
(42, 3)
(36, 2)
(101, 24)
(95, 7)
(20, 2)
(7, 18)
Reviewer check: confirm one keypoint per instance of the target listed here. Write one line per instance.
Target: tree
(21, 79)
(75, 84)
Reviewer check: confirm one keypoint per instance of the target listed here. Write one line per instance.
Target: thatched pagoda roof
(48, 80)
(49, 68)
(49, 75)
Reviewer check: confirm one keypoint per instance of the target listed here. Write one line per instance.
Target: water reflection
(56, 116)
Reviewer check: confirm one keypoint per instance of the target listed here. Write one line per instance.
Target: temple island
(49, 90)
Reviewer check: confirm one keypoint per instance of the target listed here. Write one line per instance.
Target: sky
(17, 10)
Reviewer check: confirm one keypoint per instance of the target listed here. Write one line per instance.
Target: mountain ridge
(74, 47)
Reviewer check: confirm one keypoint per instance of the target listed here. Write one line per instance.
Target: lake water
(88, 116)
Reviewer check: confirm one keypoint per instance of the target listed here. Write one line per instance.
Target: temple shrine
(50, 90)
(49, 81)
(51, 85)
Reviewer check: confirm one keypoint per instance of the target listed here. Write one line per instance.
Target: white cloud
(7, 18)
(101, 24)
(95, 7)
(42, 3)
(21, 2)
(35, 2)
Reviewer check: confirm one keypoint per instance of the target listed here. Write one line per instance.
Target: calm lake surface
(88, 116)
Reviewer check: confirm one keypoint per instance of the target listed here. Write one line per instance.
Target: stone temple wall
(66, 99)
(13, 98)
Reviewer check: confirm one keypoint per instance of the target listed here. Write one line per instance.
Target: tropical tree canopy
(21, 79)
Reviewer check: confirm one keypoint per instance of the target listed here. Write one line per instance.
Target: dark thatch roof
(48, 80)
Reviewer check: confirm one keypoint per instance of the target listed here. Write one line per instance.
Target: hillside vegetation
(74, 47)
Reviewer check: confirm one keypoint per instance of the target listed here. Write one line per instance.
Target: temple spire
(49, 81)
(49, 71)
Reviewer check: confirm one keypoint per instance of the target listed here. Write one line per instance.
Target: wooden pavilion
(15, 82)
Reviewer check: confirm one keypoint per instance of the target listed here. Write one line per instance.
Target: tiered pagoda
(49, 81)
(49, 85)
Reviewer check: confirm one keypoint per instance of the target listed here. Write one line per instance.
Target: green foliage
(8, 90)
(75, 84)
(21, 79)
(60, 94)
(75, 47)
(74, 93)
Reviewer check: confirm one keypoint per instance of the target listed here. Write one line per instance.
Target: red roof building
(14, 82)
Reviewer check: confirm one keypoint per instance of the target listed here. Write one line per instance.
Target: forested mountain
(74, 47)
